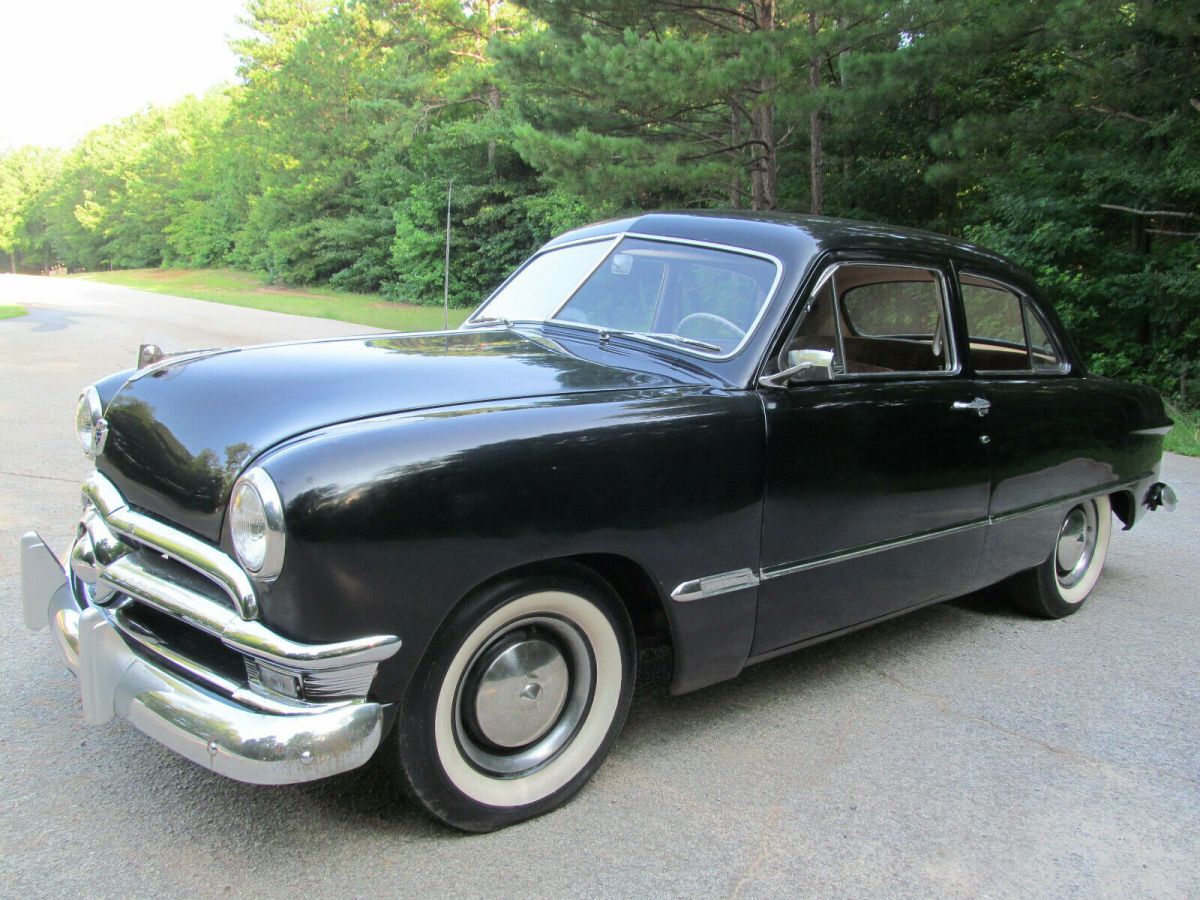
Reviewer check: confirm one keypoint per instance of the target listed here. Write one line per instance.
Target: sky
(68, 66)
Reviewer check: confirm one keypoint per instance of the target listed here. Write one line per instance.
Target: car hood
(181, 432)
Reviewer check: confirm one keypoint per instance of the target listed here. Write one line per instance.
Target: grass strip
(12, 312)
(1185, 436)
(247, 289)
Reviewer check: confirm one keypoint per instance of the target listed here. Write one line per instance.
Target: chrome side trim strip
(1068, 498)
(714, 585)
(793, 568)
(193, 553)
(1156, 431)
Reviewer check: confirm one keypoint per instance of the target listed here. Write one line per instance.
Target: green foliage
(1064, 133)
(26, 177)
(12, 312)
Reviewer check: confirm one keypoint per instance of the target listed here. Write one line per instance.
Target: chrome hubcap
(521, 693)
(524, 695)
(1076, 544)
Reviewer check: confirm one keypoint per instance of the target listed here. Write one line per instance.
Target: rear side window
(1006, 331)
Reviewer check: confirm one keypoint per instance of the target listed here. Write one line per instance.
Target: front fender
(392, 521)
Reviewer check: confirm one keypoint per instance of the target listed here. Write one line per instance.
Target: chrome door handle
(978, 405)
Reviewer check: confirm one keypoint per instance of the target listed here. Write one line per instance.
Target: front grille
(192, 608)
(187, 647)
(112, 531)
(162, 566)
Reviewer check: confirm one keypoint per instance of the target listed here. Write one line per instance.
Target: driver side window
(878, 320)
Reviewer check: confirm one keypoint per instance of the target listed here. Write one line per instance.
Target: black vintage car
(705, 439)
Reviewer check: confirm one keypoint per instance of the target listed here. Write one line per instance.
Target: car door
(1055, 434)
(877, 473)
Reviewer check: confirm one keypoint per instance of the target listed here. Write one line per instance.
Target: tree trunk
(816, 161)
(764, 166)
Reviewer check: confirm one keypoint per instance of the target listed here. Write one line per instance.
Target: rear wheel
(1060, 585)
(518, 700)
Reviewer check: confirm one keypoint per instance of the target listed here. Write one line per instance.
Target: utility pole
(446, 279)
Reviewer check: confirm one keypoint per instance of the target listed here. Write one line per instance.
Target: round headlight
(90, 427)
(256, 524)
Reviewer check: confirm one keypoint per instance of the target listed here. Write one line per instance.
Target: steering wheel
(711, 318)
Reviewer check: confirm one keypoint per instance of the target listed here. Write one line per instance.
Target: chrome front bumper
(261, 747)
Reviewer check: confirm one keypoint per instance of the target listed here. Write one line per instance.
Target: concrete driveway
(962, 751)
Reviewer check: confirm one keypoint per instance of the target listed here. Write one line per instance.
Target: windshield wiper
(606, 333)
(665, 336)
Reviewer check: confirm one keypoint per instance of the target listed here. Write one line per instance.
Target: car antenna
(446, 278)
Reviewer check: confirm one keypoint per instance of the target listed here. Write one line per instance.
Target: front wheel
(1060, 585)
(518, 700)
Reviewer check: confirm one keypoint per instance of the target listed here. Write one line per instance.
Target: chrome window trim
(1030, 308)
(768, 300)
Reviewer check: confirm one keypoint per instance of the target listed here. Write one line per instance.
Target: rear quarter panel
(1055, 440)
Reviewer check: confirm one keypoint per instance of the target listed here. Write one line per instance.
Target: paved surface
(962, 751)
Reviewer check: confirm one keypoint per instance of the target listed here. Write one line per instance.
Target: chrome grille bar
(192, 552)
(251, 638)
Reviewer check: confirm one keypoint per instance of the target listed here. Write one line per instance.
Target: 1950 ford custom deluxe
(700, 438)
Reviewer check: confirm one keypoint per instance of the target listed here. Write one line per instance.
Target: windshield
(704, 298)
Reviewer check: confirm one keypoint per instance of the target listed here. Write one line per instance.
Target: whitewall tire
(1061, 584)
(518, 699)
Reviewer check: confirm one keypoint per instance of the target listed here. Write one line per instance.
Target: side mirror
(803, 365)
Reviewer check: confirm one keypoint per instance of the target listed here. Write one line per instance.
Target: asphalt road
(962, 751)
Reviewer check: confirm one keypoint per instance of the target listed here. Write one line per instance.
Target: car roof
(799, 242)
(794, 237)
